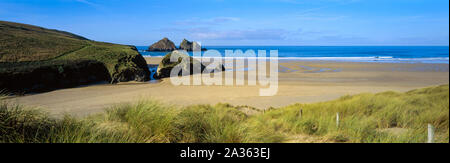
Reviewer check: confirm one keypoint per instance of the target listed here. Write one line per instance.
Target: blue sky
(242, 22)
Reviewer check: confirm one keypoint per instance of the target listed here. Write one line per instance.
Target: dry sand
(299, 82)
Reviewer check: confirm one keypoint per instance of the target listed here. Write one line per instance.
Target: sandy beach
(299, 82)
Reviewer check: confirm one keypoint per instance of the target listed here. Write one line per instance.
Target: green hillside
(30, 52)
(20, 42)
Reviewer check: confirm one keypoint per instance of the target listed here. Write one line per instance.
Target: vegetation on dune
(365, 118)
(32, 51)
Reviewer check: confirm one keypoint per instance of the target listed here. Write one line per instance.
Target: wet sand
(299, 82)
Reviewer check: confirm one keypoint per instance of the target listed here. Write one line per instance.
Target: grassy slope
(368, 117)
(384, 117)
(21, 42)
(107, 53)
(24, 48)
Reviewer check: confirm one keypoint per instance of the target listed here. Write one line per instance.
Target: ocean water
(386, 54)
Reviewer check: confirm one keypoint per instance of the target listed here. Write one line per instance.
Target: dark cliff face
(138, 71)
(164, 45)
(47, 77)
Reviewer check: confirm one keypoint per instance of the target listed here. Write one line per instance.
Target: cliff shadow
(38, 77)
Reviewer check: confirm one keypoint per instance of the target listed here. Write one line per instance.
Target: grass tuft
(387, 117)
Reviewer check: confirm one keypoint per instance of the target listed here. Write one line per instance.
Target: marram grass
(388, 117)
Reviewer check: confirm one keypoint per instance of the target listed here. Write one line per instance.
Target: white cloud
(250, 34)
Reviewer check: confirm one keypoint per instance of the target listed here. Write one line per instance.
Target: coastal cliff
(34, 59)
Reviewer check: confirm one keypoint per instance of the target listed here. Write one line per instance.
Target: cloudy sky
(242, 22)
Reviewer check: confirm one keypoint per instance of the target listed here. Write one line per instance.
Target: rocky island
(164, 45)
(190, 46)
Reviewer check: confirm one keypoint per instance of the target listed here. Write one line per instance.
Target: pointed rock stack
(164, 45)
(186, 45)
(190, 46)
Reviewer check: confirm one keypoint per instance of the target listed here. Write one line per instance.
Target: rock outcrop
(190, 46)
(35, 59)
(164, 45)
(49, 76)
(133, 68)
(166, 66)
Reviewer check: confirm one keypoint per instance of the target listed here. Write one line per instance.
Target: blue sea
(385, 54)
